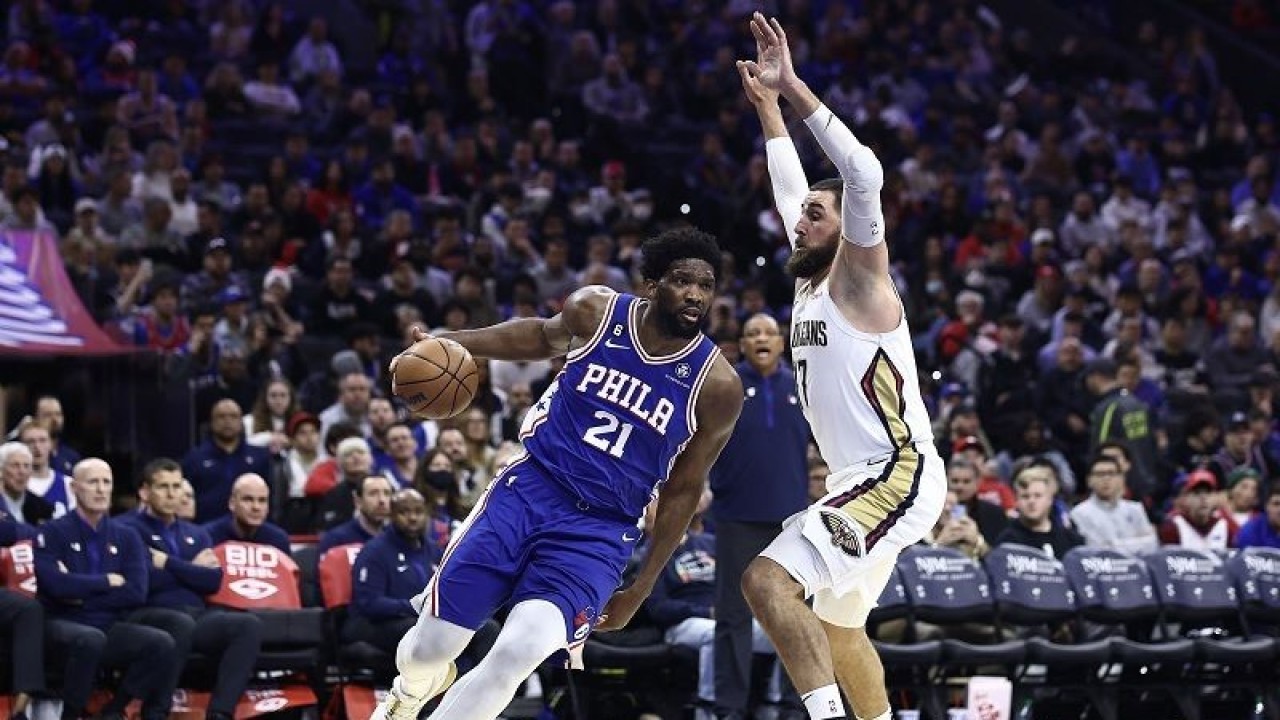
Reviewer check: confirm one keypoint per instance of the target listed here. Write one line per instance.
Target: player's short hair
(835, 186)
(665, 248)
(157, 466)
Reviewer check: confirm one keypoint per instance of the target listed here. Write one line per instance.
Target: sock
(824, 703)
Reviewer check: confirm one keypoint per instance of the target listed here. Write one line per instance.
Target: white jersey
(859, 390)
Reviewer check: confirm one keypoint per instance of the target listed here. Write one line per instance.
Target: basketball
(435, 378)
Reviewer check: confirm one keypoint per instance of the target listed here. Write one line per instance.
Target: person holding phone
(955, 529)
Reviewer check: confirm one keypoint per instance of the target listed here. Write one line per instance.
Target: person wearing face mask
(437, 482)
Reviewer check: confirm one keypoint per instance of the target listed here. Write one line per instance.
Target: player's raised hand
(773, 66)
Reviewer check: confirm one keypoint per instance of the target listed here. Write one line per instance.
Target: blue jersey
(610, 426)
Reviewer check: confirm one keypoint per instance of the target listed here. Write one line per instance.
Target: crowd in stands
(1089, 261)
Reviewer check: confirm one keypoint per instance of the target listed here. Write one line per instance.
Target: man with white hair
(355, 462)
(15, 472)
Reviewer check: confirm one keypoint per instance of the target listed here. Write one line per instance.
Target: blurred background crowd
(262, 198)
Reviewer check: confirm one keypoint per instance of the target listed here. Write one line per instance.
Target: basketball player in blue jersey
(643, 405)
(857, 381)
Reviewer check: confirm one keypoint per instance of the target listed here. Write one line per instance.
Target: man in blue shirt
(1263, 530)
(372, 499)
(183, 570)
(250, 502)
(392, 568)
(91, 572)
(760, 480)
(214, 465)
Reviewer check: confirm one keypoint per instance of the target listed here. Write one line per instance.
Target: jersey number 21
(610, 435)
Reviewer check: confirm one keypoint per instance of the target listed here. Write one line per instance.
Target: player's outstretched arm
(719, 404)
(786, 174)
(862, 219)
(536, 338)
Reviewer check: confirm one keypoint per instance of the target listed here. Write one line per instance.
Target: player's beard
(808, 261)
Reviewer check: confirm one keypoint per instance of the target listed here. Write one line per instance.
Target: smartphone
(959, 511)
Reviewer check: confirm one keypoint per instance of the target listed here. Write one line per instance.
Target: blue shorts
(527, 539)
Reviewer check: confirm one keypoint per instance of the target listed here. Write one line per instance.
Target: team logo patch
(682, 370)
(252, 589)
(843, 535)
(583, 621)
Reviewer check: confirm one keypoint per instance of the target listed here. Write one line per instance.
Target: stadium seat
(946, 587)
(1032, 593)
(262, 580)
(1256, 574)
(907, 664)
(18, 569)
(359, 659)
(1117, 590)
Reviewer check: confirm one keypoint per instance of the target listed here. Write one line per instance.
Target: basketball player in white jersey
(856, 373)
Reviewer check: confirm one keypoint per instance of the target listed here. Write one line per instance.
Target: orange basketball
(436, 378)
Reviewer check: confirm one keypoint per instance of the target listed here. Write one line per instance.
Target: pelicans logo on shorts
(842, 532)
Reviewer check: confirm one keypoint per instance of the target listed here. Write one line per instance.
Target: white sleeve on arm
(862, 216)
(786, 174)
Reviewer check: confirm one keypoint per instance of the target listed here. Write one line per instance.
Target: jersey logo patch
(683, 370)
(842, 532)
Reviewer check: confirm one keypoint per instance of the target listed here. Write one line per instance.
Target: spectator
(683, 601)
(146, 113)
(338, 303)
(49, 411)
(770, 440)
(1240, 450)
(1264, 529)
(20, 503)
(214, 465)
(1105, 519)
(268, 96)
(304, 453)
(314, 54)
(437, 483)
(1120, 417)
(1243, 490)
(1198, 521)
(247, 521)
(390, 570)
(183, 570)
(962, 479)
(401, 464)
(266, 425)
(955, 529)
(91, 572)
(45, 481)
(352, 406)
(1231, 360)
(371, 499)
(355, 463)
(1035, 525)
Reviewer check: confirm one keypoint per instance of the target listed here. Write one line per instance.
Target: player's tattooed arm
(537, 338)
(719, 404)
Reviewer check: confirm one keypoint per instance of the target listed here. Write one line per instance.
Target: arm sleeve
(862, 217)
(786, 175)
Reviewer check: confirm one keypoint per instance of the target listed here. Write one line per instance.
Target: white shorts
(843, 548)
